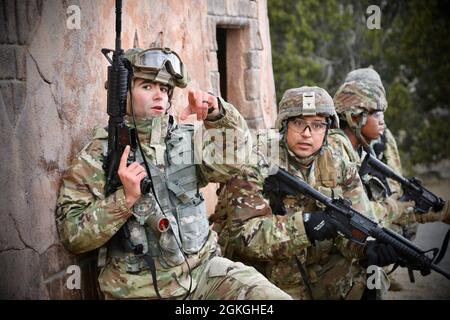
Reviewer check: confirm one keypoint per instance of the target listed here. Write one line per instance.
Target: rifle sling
(147, 258)
(304, 275)
(443, 248)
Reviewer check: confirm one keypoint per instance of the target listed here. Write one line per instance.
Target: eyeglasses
(300, 125)
(377, 114)
(155, 59)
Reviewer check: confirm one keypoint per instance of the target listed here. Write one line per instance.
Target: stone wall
(249, 61)
(52, 96)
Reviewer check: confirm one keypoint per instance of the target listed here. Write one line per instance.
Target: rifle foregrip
(117, 88)
(411, 255)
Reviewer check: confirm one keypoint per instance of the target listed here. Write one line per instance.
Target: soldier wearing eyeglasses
(298, 250)
(178, 254)
(361, 103)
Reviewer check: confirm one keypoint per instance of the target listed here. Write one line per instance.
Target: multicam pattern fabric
(385, 212)
(407, 225)
(292, 104)
(355, 97)
(363, 92)
(391, 157)
(368, 75)
(87, 220)
(250, 233)
(388, 211)
(223, 279)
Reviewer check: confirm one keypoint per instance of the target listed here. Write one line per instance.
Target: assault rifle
(412, 188)
(119, 134)
(352, 224)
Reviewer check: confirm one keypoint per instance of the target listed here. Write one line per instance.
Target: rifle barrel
(305, 188)
(380, 166)
(118, 23)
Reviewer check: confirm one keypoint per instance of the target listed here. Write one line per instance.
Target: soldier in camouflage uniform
(385, 149)
(299, 251)
(174, 234)
(363, 95)
(361, 103)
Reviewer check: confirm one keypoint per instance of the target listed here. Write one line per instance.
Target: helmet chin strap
(356, 127)
(163, 77)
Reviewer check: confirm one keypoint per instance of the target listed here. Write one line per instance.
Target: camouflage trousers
(224, 279)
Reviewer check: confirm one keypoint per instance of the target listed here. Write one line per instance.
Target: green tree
(319, 42)
(309, 42)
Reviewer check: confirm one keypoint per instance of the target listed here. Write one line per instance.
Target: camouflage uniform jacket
(391, 156)
(272, 243)
(385, 209)
(86, 220)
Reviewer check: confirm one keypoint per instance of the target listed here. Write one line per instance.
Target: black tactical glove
(319, 226)
(379, 254)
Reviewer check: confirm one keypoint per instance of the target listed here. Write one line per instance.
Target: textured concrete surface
(52, 95)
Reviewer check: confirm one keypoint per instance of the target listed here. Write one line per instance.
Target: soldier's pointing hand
(200, 103)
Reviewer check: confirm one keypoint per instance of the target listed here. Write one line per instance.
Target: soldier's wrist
(215, 114)
(129, 202)
(119, 200)
(300, 232)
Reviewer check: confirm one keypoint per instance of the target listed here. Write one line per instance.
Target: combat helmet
(158, 64)
(306, 101)
(368, 75)
(359, 97)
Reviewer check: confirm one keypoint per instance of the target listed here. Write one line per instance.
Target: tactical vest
(181, 203)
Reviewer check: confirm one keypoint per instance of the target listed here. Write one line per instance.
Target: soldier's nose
(307, 131)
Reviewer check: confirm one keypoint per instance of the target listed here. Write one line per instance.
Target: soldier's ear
(356, 117)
